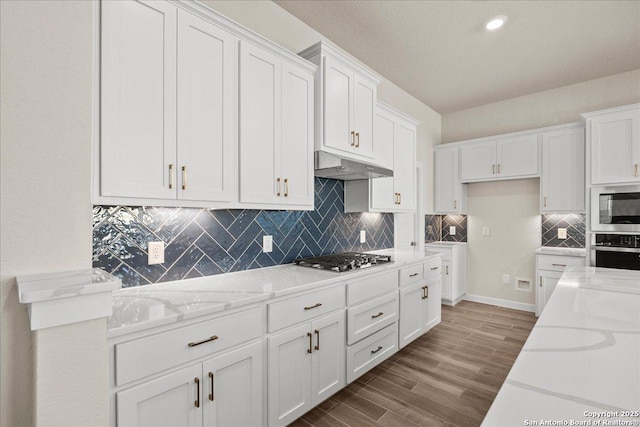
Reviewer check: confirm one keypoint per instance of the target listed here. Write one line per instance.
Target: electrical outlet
(486, 231)
(363, 236)
(452, 230)
(156, 252)
(505, 279)
(562, 233)
(267, 244)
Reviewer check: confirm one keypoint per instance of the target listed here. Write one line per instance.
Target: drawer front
(371, 351)
(432, 269)
(145, 356)
(372, 286)
(370, 317)
(558, 262)
(304, 307)
(411, 274)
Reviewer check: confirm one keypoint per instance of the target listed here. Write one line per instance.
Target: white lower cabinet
(454, 270)
(549, 269)
(420, 308)
(225, 390)
(371, 351)
(306, 366)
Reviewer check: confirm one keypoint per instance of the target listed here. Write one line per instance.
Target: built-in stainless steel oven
(615, 251)
(615, 209)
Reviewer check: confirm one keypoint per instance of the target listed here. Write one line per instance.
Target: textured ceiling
(439, 51)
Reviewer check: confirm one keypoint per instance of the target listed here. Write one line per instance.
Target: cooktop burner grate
(344, 261)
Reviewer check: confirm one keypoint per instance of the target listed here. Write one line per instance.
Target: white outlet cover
(562, 233)
(486, 231)
(452, 230)
(505, 279)
(363, 236)
(156, 252)
(267, 244)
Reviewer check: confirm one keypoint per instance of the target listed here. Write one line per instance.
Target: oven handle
(616, 249)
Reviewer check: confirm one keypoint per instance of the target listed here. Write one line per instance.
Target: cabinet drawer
(301, 308)
(432, 269)
(145, 356)
(558, 262)
(372, 286)
(369, 317)
(411, 274)
(371, 351)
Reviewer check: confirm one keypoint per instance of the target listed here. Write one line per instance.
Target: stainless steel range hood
(331, 166)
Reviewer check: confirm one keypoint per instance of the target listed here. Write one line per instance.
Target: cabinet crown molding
(324, 48)
(591, 114)
(397, 112)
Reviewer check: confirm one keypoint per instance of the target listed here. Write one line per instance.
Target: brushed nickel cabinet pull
(357, 139)
(540, 281)
(559, 265)
(211, 381)
(278, 181)
(396, 200)
(313, 306)
(376, 350)
(427, 289)
(172, 176)
(545, 202)
(446, 270)
(197, 402)
(286, 187)
(374, 316)
(353, 139)
(317, 346)
(399, 198)
(413, 275)
(455, 204)
(498, 167)
(184, 177)
(434, 268)
(635, 172)
(423, 296)
(211, 338)
(494, 169)
(310, 343)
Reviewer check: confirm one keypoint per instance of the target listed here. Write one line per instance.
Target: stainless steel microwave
(615, 208)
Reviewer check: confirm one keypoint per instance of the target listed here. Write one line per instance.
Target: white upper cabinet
(345, 104)
(171, 119)
(276, 130)
(397, 133)
(562, 179)
(449, 193)
(207, 152)
(614, 138)
(138, 99)
(508, 157)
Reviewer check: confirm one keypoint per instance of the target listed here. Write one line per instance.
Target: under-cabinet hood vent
(330, 166)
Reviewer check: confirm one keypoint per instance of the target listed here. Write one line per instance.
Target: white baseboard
(501, 302)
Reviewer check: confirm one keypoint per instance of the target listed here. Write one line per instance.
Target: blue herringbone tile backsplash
(201, 242)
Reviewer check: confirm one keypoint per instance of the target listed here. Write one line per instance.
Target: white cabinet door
(168, 401)
(615, 147)
(404, 171)
(478, 161)
(364, 110)
(562, 178)
(445, 282)
(547, 282)
(517, 156)
(207, 151)
(447, 184)
(328, 361)
(431, 309)
(410, 313)
(382, 189)
(138, 90)
(232, 388)
(338, 106)
(260, 120)
(297, 135)
(289, 374)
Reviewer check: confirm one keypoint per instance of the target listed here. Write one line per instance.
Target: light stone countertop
(582, 357)
(444, 244)
(144, 307)
(577, 252)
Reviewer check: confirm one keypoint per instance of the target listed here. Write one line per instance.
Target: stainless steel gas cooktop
(344, 261)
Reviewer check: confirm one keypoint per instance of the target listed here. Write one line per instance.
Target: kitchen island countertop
(581, 359)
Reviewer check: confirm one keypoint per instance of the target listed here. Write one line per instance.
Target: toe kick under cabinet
(202, 373)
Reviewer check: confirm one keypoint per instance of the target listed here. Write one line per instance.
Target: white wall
(490, 257)
(45, 211)
(273, 22)
(547, 108)
(511, 211)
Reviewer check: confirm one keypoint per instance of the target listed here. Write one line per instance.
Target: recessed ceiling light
(495, 23)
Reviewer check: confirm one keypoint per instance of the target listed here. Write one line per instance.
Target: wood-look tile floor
(447, 377)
